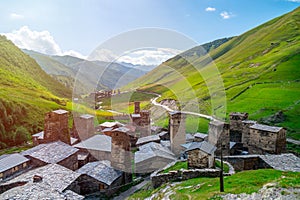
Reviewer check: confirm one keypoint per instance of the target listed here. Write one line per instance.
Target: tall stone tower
(177, 131)
(145, 126)
(56, 127)
(137, 107)
(218, 135)
(121, 156)
(236, 126)
(120, 149)
(84, 126)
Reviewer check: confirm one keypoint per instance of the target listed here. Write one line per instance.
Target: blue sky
(81, 25)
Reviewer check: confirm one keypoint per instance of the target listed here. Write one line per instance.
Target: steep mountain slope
(60, 72)
(27, 92)
(260, 72)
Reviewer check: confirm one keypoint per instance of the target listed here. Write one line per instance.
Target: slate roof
(122, 129)
(11, 160)
(101, 171)
(60, 111)
(135, 115)
(53, 152)
(55, 176)
(203, 146)
(200, 135)
(273, 129)
(56, 179)
(187, 145)
(152, 150)
(147, 139)
(249, 121)
(39, 135)
(111, 124)
(189, 137)
(165, 143)
(163, 133)
(107, 129)
(73, 140)
(86, 116)
(96, 142)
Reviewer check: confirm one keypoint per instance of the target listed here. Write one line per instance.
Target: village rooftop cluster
(100, 160)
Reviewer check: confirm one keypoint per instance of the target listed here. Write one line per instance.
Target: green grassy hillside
(26, 94)
(260, 72)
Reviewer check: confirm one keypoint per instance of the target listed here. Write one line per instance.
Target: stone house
(200, 137)
(52, 153)
(38, 138)
(97, 147)
(219, 136)
(12, 164)
(148, 139)
(152, 156)
(201, 155)
(267, 139)
(98, 176)
(112, 125)
(48, 182)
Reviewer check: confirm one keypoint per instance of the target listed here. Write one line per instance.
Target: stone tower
(236, 126)
(177, 131)
(56, 127)
(137, 107)
(120, 149)
(246, 137)
(145, 126)
(84, 126)
(218, 136)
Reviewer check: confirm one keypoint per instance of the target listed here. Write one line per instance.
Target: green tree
(21, 135)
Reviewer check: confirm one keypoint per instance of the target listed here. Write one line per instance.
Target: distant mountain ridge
(90, 75)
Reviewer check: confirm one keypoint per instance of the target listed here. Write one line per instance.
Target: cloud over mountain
(149, 56)
(40, 41)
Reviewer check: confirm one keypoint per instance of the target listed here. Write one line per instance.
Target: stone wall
(158, 178)
(246, 162)
(15, 170)
(71, 162)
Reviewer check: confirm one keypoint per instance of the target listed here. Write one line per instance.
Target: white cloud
(40, 41)
(210, 9)
(74, 54)
(149, 56)
(226, 15)
(296, 1)
(16, 16)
